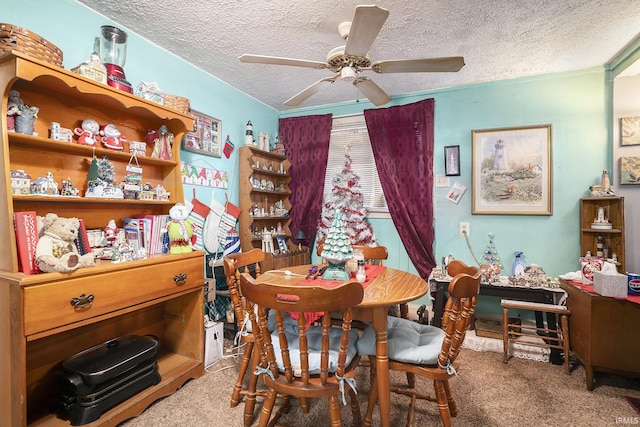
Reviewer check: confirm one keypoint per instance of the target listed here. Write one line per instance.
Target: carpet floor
(523, 392)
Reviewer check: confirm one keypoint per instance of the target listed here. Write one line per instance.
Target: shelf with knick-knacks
(264, 196)
(602, 228)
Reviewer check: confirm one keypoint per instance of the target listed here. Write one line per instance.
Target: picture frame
(630, 130)
(206, 136)
(630, 170)
(452, 160)
(512, 171)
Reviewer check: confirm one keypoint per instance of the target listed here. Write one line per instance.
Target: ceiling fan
(348, 61)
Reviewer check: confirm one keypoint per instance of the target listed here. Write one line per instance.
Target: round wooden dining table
(389, 287)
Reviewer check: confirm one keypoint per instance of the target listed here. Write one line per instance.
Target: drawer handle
(180, 279)
(83, 301)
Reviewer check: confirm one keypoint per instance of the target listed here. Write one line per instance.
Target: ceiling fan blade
(306, 93)
(372, 91)
(275, 60)
(423, 65)
(367, 23)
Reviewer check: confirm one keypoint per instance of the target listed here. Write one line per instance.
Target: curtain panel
(402, 142)
(306, 145)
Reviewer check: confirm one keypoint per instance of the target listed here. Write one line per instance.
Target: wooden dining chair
(298, 360)
(234, 265)
(428, 351)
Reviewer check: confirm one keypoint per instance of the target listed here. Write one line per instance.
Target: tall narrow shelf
(613, 237)
(264, 184)
(162, 295)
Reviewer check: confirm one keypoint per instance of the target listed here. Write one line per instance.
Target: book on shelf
(26, 227)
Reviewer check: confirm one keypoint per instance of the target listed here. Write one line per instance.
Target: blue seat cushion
(314, 339)
(408, 341)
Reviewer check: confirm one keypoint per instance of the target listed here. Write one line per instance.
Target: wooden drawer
(50, 305)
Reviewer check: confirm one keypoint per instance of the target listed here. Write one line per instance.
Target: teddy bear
(56, 250)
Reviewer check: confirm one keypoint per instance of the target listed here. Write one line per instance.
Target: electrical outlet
(464, 229)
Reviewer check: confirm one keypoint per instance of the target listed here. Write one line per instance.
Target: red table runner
(372, 271)
(589, 288)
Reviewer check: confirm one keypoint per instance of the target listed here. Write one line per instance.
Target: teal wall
(73, 27)
(575, 106)
(573, 103)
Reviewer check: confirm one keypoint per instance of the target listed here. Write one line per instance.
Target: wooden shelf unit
(161, 295)
(612, 238)
(259, 165)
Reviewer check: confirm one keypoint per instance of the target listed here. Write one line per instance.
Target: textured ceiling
(499, 39)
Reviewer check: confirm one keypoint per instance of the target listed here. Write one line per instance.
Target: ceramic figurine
(162, 144)
(248, 139)
(112, 138)
(111, 233)
(87, 133)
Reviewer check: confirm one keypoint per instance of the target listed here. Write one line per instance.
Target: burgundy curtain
(402, 142)
(306, 142)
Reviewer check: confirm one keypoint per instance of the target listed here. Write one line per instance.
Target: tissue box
(610, 284)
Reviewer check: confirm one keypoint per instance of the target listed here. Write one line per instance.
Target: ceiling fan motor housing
(337, 60)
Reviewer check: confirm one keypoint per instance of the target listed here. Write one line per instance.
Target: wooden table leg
(382, 364)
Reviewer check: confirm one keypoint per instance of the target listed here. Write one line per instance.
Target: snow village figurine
(87, 132)
(112, 138)
(93, 69)
(100, 178)
(162, 144)
(56, 250)
(110, 233)
(45, 185)
(180, 229)
(67, 189)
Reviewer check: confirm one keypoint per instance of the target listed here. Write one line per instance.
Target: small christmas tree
(346, 193)
(337, 250)
(492, 258)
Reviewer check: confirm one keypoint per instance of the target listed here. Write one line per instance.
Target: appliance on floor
(97, 379)
(112, 48)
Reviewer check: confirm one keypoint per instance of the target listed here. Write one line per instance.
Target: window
(350, 132)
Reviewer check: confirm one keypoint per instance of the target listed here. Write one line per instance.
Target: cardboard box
(610, 284)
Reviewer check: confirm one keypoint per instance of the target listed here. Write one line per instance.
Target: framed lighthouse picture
(511, 171)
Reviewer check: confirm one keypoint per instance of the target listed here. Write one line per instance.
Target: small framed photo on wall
(452, 160)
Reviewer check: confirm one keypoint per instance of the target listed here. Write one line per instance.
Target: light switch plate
(442, 181)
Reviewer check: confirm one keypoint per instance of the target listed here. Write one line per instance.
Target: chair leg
(244, 364)
(250, 398)
(453, 408)
(267, 407)
(565, 342)
(373, 393)
(355, 408)
(334, 411)
(443, 405)
(505, 335)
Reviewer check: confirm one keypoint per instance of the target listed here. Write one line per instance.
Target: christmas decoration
(337, 250)
(492, 259)
(101, 179)
(346, 193)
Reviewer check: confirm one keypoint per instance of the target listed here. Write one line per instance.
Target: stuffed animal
(56, 250)
(180, 229)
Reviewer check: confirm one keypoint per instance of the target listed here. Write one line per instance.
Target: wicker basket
(28, 43)
(177, 103)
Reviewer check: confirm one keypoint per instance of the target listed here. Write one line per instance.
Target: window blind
(349, 134)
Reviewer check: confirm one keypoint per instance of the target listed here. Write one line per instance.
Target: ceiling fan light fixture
(348, 74)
